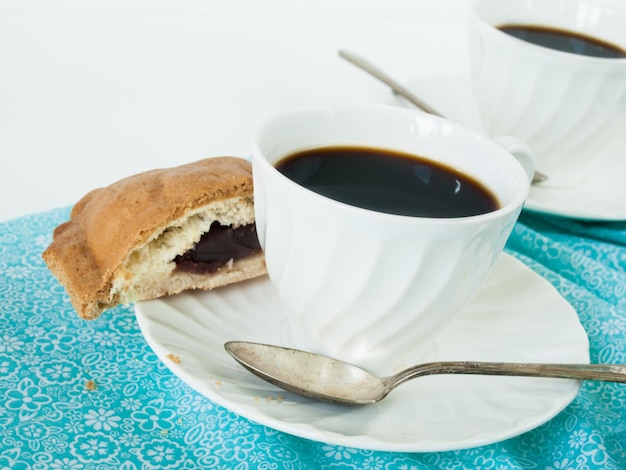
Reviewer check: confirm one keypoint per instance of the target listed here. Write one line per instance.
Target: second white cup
(566, 106)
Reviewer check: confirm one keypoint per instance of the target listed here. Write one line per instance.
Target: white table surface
(95, 90)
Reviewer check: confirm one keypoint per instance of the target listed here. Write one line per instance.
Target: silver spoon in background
(331, 380)
(401, 90)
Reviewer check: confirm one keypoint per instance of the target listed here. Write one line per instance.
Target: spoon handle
(399, 89)
(386, 79)
(599, 372)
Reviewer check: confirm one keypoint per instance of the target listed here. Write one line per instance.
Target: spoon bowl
(331, 380)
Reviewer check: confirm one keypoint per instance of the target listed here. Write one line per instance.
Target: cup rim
(516, 203)
(549, 52)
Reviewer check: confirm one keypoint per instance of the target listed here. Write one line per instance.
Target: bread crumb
(218, 383)
(90, 385)
(280, 398)
(174, 358)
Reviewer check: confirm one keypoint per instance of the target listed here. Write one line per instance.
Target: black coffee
(388, 181)
(565, 41)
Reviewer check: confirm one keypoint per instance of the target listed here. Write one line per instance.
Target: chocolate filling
(217, 247)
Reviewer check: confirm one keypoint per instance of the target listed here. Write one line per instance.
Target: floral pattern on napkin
(78, 394)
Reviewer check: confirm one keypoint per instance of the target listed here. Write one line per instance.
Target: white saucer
(517, 316)
(600, 197)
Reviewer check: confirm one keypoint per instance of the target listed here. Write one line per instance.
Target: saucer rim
(207, 385)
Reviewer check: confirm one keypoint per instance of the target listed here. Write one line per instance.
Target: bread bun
(122, 241)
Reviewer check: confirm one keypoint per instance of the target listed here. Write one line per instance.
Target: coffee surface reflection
(388, 181)
(564, 41)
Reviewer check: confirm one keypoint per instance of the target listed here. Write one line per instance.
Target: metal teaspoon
(399, 89)
(331, 380)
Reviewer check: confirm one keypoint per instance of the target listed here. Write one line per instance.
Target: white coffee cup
(363, 285)
(566, 107)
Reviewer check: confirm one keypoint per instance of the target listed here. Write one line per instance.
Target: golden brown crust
(107, 223)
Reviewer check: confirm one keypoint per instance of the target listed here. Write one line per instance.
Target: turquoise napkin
(77, 394)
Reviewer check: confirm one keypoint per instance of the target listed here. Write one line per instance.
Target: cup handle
(520, 151)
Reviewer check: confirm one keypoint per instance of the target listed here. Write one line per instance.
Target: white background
(93, 91)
